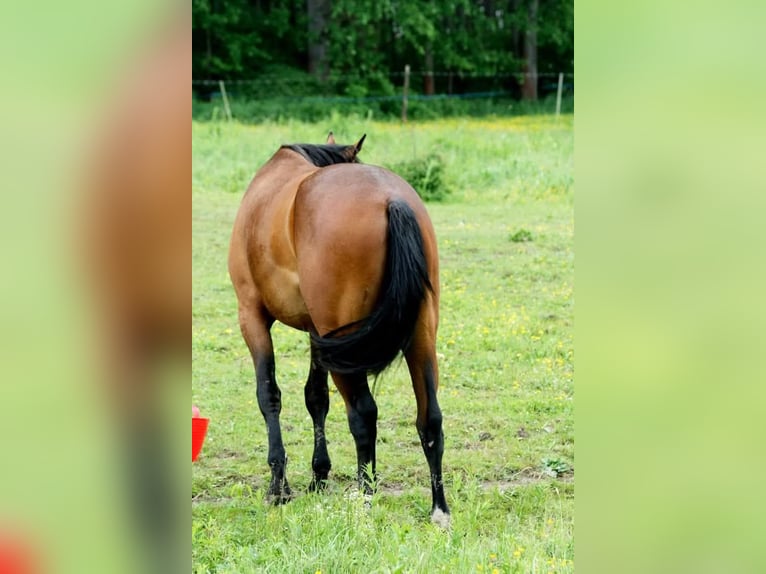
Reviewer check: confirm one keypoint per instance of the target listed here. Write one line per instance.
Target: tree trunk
(208, 50)
(513, 10)
(318, 15)
(529, 90)
(428, 77)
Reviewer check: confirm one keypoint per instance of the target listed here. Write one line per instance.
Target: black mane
(323, 155)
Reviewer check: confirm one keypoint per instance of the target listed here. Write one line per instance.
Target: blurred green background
(670, 182)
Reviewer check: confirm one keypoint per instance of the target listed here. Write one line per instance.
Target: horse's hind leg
(318, 404)
(362, 421)
(421, 360)
(255, 327)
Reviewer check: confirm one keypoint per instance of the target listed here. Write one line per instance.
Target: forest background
(302, 57)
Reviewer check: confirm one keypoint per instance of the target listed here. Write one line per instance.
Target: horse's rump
(362, 264)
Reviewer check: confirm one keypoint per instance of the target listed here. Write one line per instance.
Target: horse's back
(340, 233)
(353, 199)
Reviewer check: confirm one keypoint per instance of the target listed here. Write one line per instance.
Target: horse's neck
(289, 159)
(283, 173)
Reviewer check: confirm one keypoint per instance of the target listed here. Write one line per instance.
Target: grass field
(506, 361)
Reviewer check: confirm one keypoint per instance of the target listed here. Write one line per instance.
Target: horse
(347, 253)
(134, 242)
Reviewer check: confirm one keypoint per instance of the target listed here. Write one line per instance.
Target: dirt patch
(227, 454)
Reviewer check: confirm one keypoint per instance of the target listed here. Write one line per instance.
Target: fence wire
(267, 79)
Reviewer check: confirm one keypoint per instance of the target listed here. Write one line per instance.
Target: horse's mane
(323, 155)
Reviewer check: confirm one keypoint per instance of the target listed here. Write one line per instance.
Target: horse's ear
(330, 138)
(352, 151)
(358, 146)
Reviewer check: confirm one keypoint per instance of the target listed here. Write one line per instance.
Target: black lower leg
(148, 465)
(318, 404)
(429, 427)
(270, 403)
(362, 421)
(432, 440)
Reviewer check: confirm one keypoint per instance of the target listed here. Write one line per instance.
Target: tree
(318, 37)
(529, 89)
(353, 47)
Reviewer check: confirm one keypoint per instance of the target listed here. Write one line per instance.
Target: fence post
(558, 95)
(226, 107)
(404, 92)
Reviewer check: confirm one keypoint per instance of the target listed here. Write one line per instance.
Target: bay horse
(346, 252)
(134, 244)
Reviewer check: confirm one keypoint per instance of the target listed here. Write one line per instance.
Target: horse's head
(349, 151)
(329, 153)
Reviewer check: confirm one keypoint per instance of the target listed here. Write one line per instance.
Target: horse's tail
(371, 344)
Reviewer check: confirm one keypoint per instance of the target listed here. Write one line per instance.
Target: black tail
(371, 344)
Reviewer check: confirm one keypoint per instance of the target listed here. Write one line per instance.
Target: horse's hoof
(278, 499)
(440, 518)
(318, 486)
(365, 497)
(275, 497)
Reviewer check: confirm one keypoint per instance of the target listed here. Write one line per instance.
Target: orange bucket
(16, 556)
(199, 430)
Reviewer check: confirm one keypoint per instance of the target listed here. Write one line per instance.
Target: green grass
(506, 361)
(259, 108)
